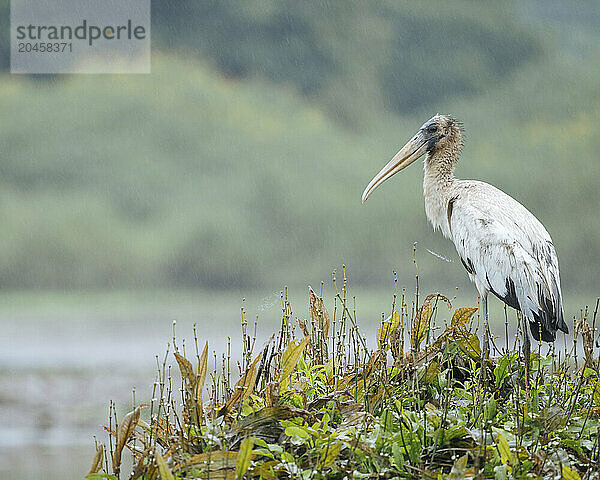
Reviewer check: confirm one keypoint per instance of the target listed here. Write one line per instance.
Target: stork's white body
(503, 246)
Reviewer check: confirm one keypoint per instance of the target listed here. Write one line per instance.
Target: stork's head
(438, 134)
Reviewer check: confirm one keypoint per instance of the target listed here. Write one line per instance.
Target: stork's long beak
(416, 147)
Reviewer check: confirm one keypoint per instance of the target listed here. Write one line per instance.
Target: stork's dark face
(436, 133)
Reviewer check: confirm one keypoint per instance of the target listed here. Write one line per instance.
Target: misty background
(237, 167)
(240, 161)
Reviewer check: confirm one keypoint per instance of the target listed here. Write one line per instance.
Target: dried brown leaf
(163, 429)
(211, 461)
(302, 325)
(124, 431)
(247, 385)
(244, 387)
(202, 369)
(98, 459)
(141, 468)
(438, 296)
(272, 394)
(319, 316)
(396, 344)
(196, 400)
(588, 343)
(462, 316)
(187, 370)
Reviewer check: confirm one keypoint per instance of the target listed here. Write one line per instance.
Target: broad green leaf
(414, 450)
(261, 443)
(329, 453)
(456, 431)
(502, 369)
(395, 320)
(431, 371)
(266, 470)
(329, 368)
(276, 447)
(501, 472)
(596, 390)
(387, 420)
(248, 382)
(244, 457)
(267, 418)
(569, 474)
(574, 444)
(535, 400)
(388, 326)
(506, 455)
(295, 431)
(288, 457)
(383, 334)
(397, 455)
(420, 326)
(469, 344)
(459, 467)
(264, 452)
(163, 469)
(291, 357)
(491, 408)
(101, 476)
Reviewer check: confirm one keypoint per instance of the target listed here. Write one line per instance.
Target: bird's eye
(432, 128)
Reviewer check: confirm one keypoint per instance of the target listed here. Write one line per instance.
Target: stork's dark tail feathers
(548, 320)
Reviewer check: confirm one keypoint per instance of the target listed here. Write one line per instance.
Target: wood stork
(505, 249)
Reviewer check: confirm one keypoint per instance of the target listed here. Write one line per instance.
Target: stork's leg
(483, 377)
(484, 312)
(526, 354)
(485, 350)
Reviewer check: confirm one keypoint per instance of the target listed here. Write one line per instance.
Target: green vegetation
(354, 56)
(243, 156)
(315, 403)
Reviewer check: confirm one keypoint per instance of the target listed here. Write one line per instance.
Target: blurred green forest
(240, 161)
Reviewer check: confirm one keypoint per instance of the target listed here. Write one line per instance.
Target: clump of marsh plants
(315, 402)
